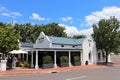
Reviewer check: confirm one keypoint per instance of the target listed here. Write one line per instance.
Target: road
(107, 73)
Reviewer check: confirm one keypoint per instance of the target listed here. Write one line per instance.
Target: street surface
(106, 73)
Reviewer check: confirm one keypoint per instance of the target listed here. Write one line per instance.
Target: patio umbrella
(17, 52)
(13, 52)
(21, 51)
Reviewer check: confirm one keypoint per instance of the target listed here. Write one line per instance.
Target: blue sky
(76, 15)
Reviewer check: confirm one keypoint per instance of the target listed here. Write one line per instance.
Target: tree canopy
(79, 36)
(30, 32)
(106, 35)
(8, 38)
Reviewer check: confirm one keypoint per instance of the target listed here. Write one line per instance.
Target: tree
(29, 32)
(105, 34)
(117, 50)
(25, 31)
(8, 39)
(53, 29)
(79, 36)
(2, 24)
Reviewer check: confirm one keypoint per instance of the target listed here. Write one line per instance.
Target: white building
(56, 47)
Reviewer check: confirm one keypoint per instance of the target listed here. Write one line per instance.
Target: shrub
(76, 58)
(22, 64)
(47, 59)
(26, 64)
(64, 59)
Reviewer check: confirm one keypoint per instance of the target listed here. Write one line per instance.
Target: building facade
(56, 47)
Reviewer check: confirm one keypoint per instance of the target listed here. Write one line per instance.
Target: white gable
(89, 46)
(42, 41)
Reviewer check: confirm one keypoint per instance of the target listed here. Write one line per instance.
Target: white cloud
(106, 12)
(3, 8)
(8, 13)
(87, 32)
(65, 19)
(5, 14)
(36, 16)
(16, 14)
(94, 17)
(12, 14)
(72, 30)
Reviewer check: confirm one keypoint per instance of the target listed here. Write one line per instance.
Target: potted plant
(64, 61)
(76, 60)
(47, 62)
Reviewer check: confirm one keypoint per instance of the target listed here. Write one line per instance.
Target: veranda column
(23, 56)
(55, 64)
(32, 60)
(36, 62)
(27, 57)
(81, 58)
(101, 57)
(19, 56)
(69, 58)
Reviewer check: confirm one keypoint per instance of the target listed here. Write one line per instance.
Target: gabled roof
(67, 41)
(26, 44)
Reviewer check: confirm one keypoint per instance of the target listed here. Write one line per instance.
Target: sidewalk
(43, 71)
(50, 70)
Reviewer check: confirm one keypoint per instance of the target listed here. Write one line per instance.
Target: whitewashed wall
(88, 46)
(45, 43)
(102, 59)
(89, 49)
(66, 46)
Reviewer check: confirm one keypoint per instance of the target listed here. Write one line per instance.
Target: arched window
(99, 56)
(90, 55)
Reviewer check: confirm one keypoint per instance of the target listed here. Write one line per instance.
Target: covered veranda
(55, 53)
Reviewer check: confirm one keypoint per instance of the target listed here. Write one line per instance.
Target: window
(89, 44)
(103, 56)
(89, 55)
(62, 45)
(99, 57)
(73, 46)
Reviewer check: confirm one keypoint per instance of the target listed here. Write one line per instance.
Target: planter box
(47, 66)
(65, 64)
(76, 63)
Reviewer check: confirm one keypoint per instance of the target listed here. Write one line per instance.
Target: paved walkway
(50, 70)
(42, 71)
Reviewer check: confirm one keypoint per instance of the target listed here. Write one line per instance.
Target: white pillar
(23, 56)
(26, 57)
(32, 65)
(55, 65)
(69, 59)
(36, 62)
(101, 57)
(109, 58)
(82, 61)
(19, 56)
